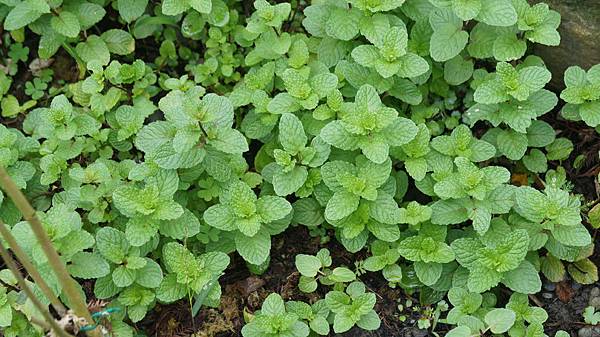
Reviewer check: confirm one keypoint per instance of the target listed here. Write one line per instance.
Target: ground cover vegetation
(164, 144)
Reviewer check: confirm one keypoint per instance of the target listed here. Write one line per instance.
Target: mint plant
(315, 314)
(368, 125)
(388, 54)
(429, 252)
(189, 275)
(581, 95)
(290, 171)
(252, 220)
(352, 307)
(158, 140)
(274, 320)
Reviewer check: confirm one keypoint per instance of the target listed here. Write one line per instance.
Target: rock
(547, 295)
(595, 292)
(580, 33)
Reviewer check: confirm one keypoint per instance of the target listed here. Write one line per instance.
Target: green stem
(31, 269)
(80, 64)
(68, 284)
(10, 263)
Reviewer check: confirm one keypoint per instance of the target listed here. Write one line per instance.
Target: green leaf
(534, 78)
(112, 244)
(66, 23)
(584, 271)
(94, 48)
(307, 265)
(350, 27)
(170, 290)
(230, 141)
(412, 65)
(254, 249)
(576, 236)
(540, 134)
(524, 279)
(497, 13)
(500, 320)
(320, 325)
(428, 273)
(366, 55)
(512, 144)
(130, 10)
(291, 133)
(560, 149)
(446, 212)
(24, 13)
(88, 266)
(491, 92)
(341, 274)
(369, 321)
(123, 277)
(341, 205)
(590, 113)
(286, 183)
(307, 284)
(149, 276)
(458, 70)
(508, 47)
(202, 6)
(447, 42)
(282, 103)
(466, 9)
(221, 217)
(118, 41)
(273, 208)
(273, 305)
(459, 331)
(536, 161)
(174, 7)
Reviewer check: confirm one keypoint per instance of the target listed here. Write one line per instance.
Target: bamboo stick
(10, 263)
(68, 284)
(31, 269)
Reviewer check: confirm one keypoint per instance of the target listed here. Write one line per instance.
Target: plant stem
(68, 284)
(32, 270)
(10, 263)
(80, 64)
